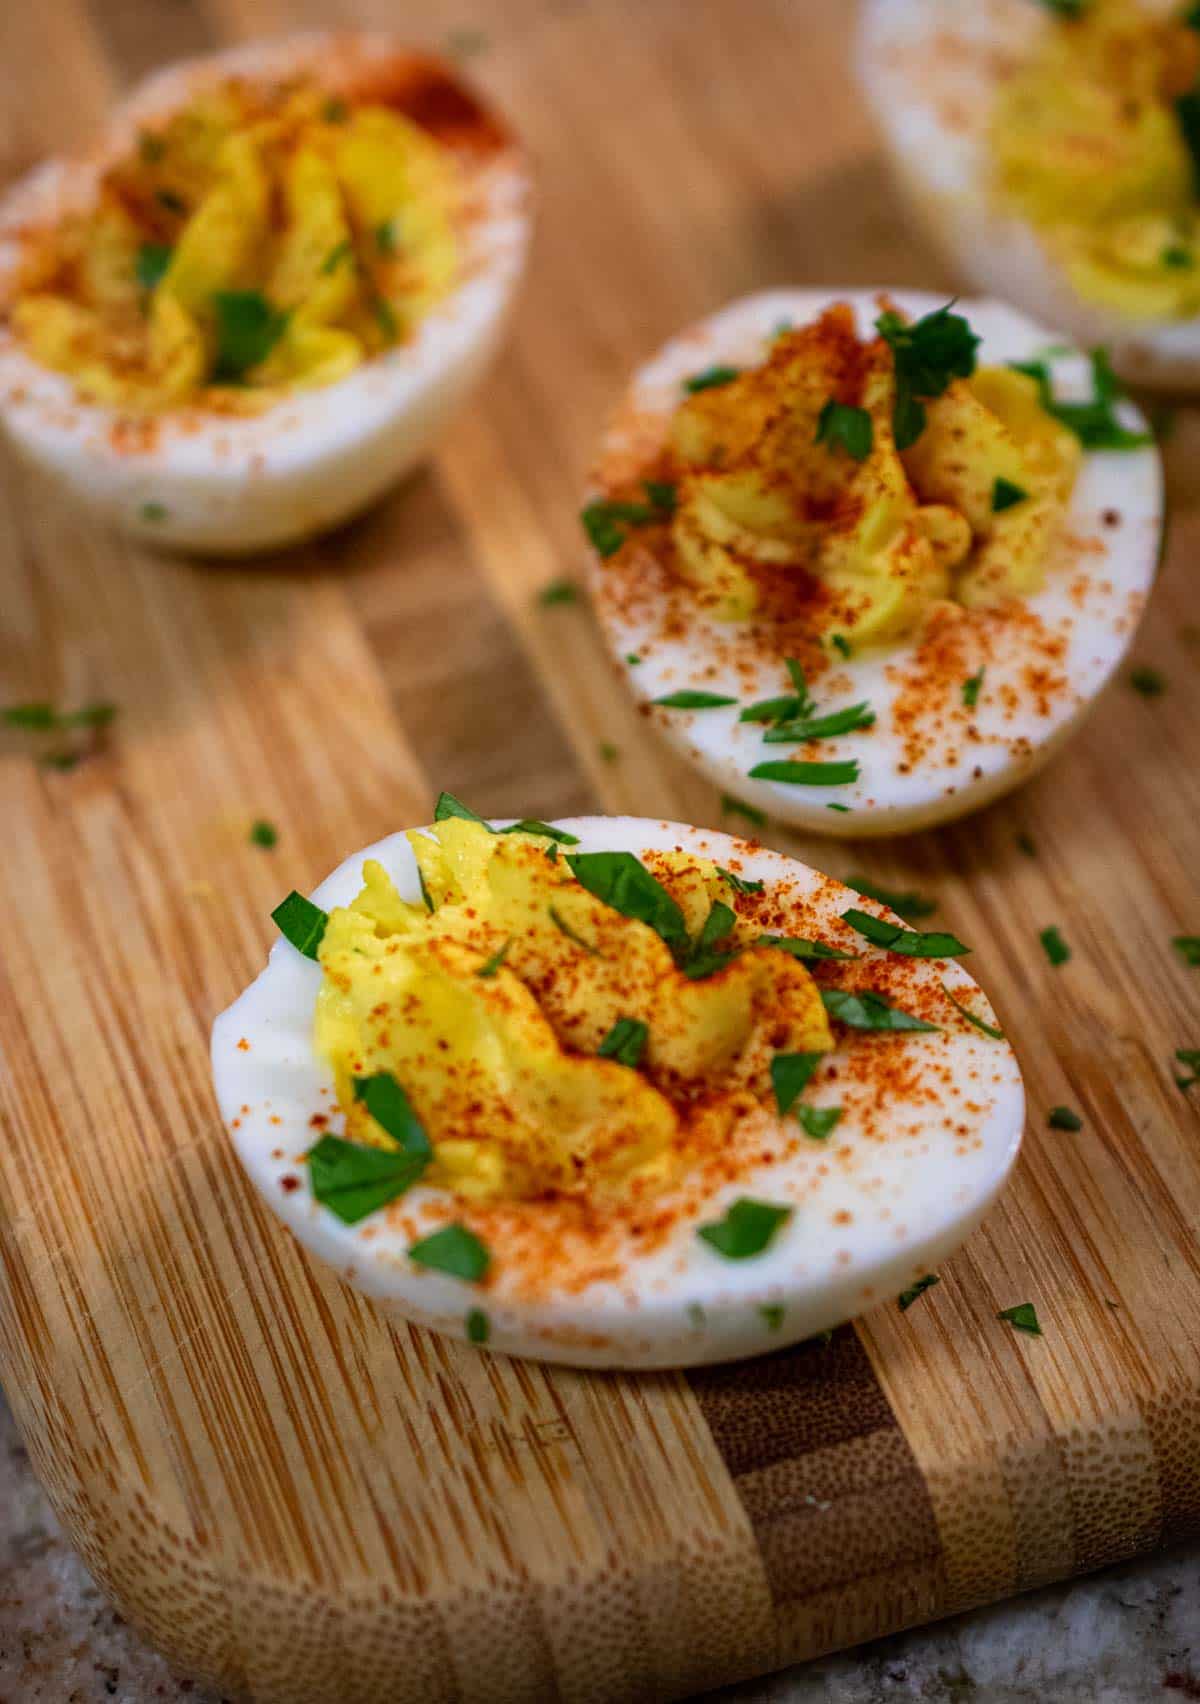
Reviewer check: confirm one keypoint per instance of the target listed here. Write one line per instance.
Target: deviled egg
(1053, 153)
(254, 304)
(863, 558)
(613, 1092)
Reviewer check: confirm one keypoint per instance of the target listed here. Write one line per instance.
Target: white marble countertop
(1126, 1636)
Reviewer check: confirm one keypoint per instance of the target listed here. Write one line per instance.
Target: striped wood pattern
(287, 1493)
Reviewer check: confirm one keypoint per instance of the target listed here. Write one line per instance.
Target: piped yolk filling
(262, 241)
(771, 516)
(490, 1005)
(1095, 140)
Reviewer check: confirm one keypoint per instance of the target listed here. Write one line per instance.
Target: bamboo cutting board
(293, 1497)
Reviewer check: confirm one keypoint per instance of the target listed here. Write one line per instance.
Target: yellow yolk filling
(763, 504)
(498, 1055)
(1090, 147)
(257, 244)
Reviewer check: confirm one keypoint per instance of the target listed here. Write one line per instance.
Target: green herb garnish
(558, 592)
(1189, 1057)
(335, 110)
(337, 254)
(387, 1103)
(453, 1249)
(850, 429)
(908, 905)
(711, 378)
(1176, 258)
(385, 238)
(623, 881)
(797, 774)
(1053, 945)
(564, 928)
(1025, 843)
(43, 717)
(448, 806)
(609, 753)
(479, 1326)
(1023, 1318)
(247, 329)
(625, 1042)
(791, 1074)
(819, 1121)
(737, 807)
(912, 942)
(841, 644)
(492, 965)
(972, 687)
(1149, 682)
(385, 319)
(173, 203)
(746, 1229)
(1188, 948)
(531, 825)
(705, 956)
(772, 1314)
(300, 922)
(632, 658)
(847, 721)
(606, 520)
(739, 884)
(977, 1023)
(1062, 1118)
(153, 513)
(661, 495)
(153, 260)
(355, 1181)
(690, 700)
(868, 1012)
(1006, 495)
(1094, 423)
(928, 355)
(802, 949)
(264, 833)
(906, 1298)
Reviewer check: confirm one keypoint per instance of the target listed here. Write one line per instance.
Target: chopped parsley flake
(798, 774)
(625, 1042)
(1025, 843)
(337, 254)
(623, 881)
(632, 658)
(1022, 1318)
(847, 721)
(972, 687)
(692, 700)
(385, 237)
(609, 753)
(772, 1314)
(153, 513)
(850, 429)
(479, 1326)
(867, 1011)
(841, 644)
(385, 319)
(264, 833)
(606, 520)
(247, 329)
(736, 807)
(492, 965)
(532, 825)
(1006, 495)
(42, 717)
(153, 260)
(558, 592)
(1062, 1118)
(1094, 423)
(1189, 1058)
(1053, 945)
(1188, 948)
(746, 1229)
(355, 1181)
(907, 904)
(928, 355)
(791, 1074)
(1176, 258)
(906, 1298)
(706, 956)
(448, 806)
(1149, 682)
(977, 1023)
(819, 1121)
(387, 1103)
(335, 110)
(897, 939)
(455, 1250)
(740, 885)
(802, 949)
(564, 928)
(300, 922)
(710, 379)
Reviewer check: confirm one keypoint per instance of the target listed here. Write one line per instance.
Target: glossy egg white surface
(929, 757)
(930, 70)
(929, 1133)
(195, 479)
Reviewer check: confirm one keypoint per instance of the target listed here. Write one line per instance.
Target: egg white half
(926, 760)
(195, 479)
(931, 70)
(883, 1200)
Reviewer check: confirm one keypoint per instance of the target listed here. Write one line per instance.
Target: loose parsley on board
(1053, 945)
(264, 833)
(1022, 1318)
(1063, 1118)
(1151, 683)
(558, 592)
(1188, 948)
(906, 1298)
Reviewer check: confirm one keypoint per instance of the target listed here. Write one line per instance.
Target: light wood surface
(285, 1492)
